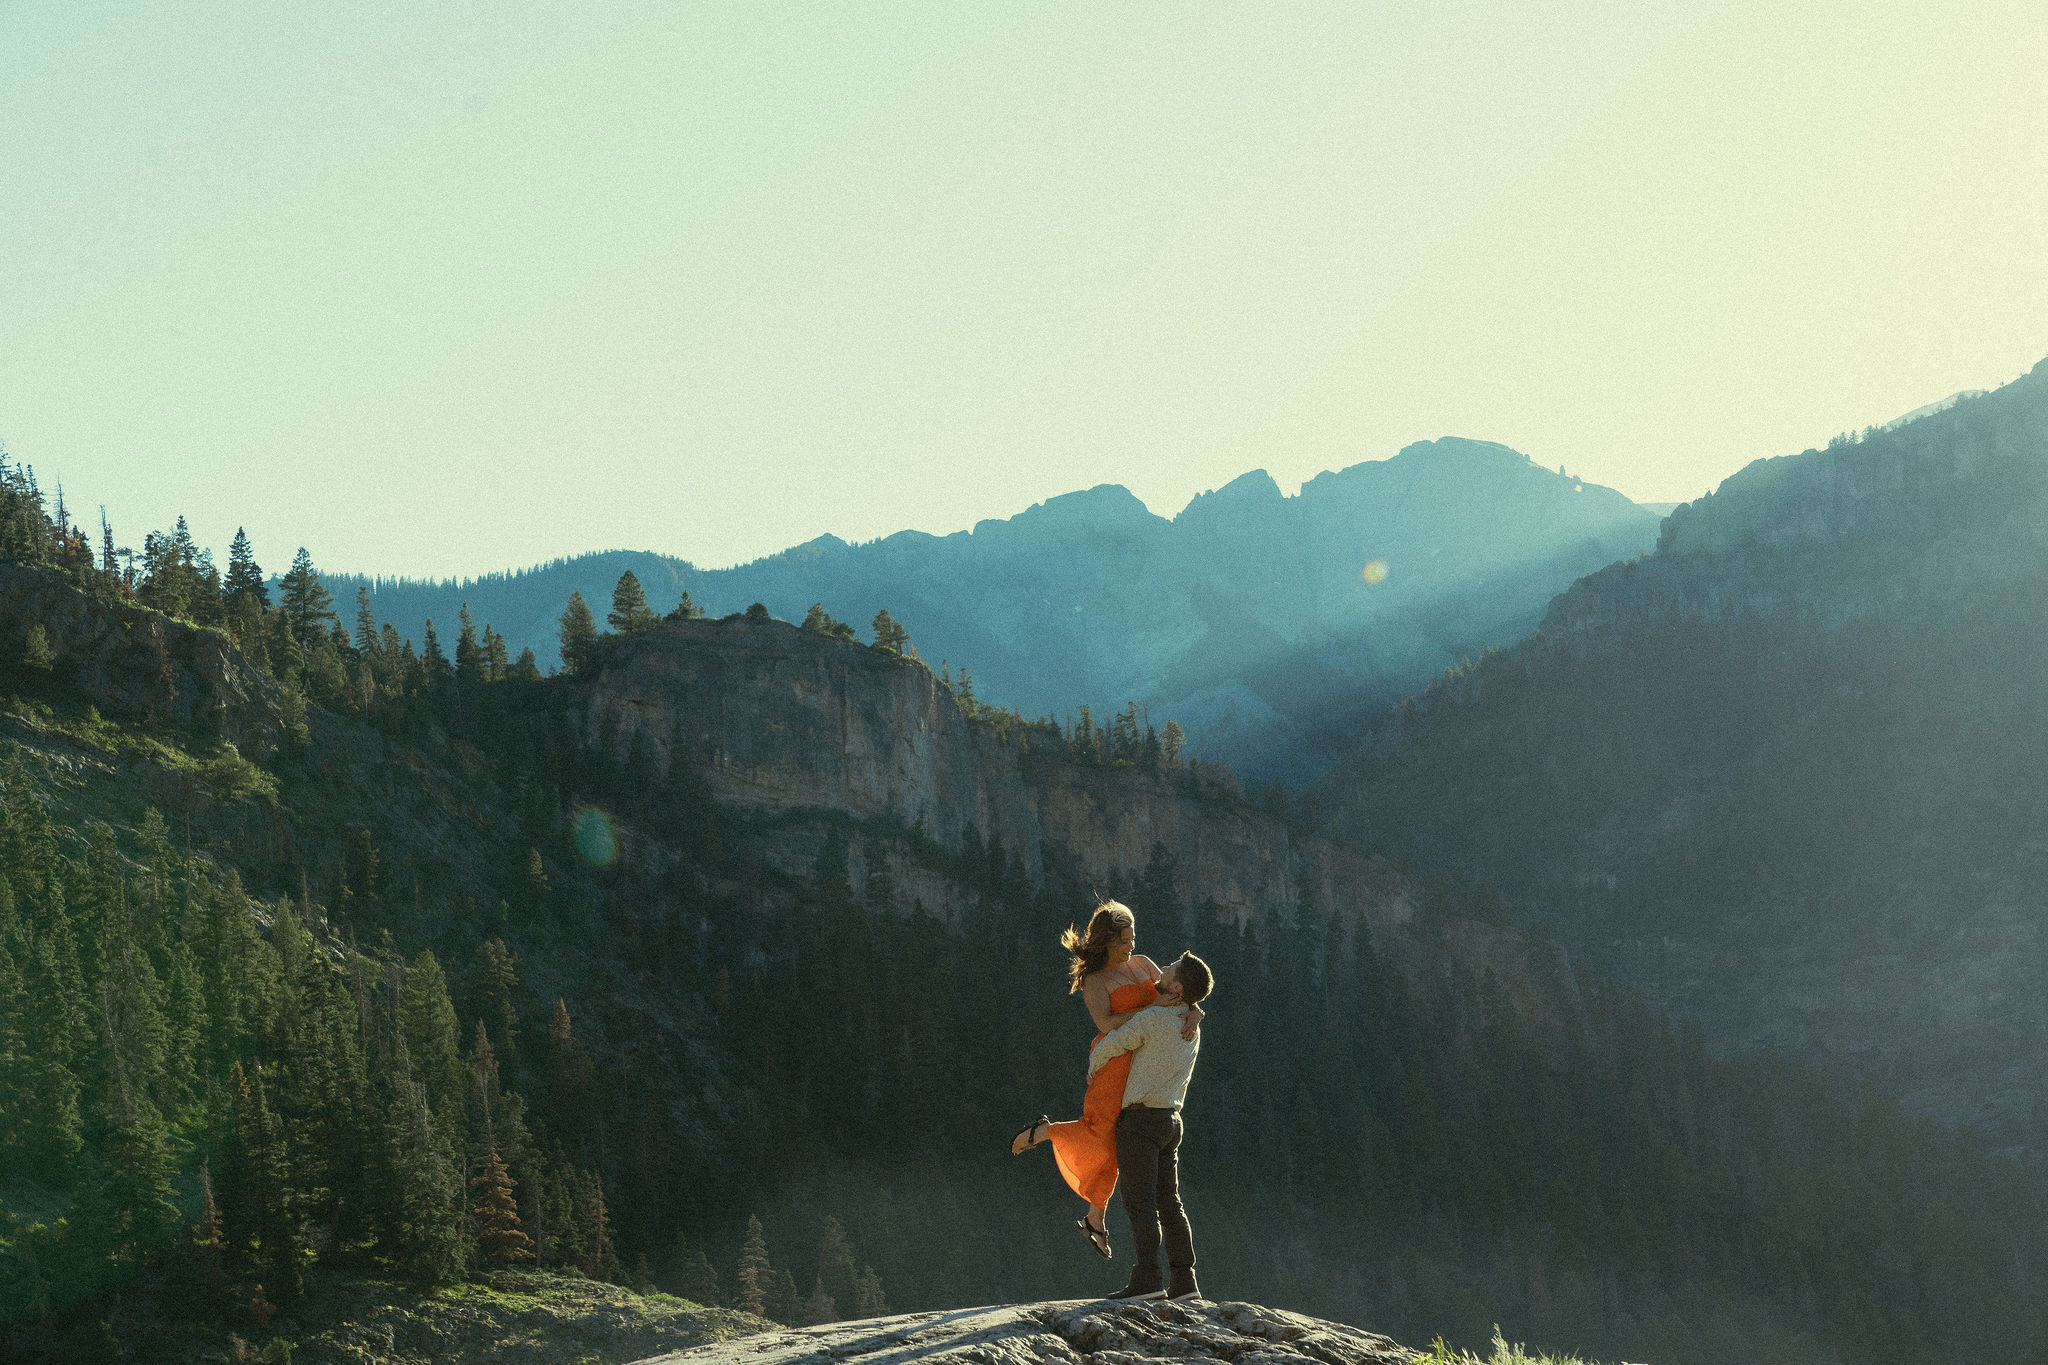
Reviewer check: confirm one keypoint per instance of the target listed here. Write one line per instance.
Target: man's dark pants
(1148, 1164)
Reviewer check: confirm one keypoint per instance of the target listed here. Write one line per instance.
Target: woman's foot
(1096, 1233)
(1031, 1135)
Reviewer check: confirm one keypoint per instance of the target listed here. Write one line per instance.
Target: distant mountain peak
(1461, 448)
(1105, 506)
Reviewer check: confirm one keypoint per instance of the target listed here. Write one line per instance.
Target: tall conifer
(752, 1277)
(630, 614)
(304, 600)
(578, 634)
(469, 655)
(497, 1217)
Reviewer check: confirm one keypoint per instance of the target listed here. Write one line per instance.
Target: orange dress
(1085, 1148)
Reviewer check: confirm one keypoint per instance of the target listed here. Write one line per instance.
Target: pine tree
(819, 1307)
(497, 659)
(497, 986)
(629, 614)
(821, 622)
(305, 603)
(686, 610)
(245, 578)
(837, 1273)
(1171, 740)
(785, 1300)
(269, 1206)
(426, 1020)
(433, 663)
(578, 633)
(469, 655)
(497, 1217)
(525, 669)
(571, 1079)
(421, 1218)
(751, 1280)
(35, 650)
(368, 642)
(758, 612)
(868, 1299)
(602, 1263)
(208, 1240)
(697, 1280)
(1126, 743)
(890, 637)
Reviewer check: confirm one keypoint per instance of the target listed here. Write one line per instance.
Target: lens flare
(1374, 572)
(596, 836)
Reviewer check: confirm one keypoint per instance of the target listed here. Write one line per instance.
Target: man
(1148, 1131)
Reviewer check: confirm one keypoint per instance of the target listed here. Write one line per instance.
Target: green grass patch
(1502, 1354)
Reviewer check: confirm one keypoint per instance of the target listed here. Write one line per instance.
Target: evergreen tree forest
(451, 989)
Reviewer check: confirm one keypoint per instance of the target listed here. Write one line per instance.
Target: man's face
(1169, 982)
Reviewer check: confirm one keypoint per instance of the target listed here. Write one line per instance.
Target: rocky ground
(1091, 1332)
(522, 1317)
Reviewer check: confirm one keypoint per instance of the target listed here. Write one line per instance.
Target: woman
(1115, 983)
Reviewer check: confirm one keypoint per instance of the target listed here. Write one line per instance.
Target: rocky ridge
(138, 664)
(1088, 1332)
(1248, 617)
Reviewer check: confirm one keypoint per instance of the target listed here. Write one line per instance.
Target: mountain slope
(1249, 617)
(1790, 772)
(802, 909)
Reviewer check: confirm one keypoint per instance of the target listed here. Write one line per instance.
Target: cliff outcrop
(1076, 1333)
(137, 664)
(803, 733)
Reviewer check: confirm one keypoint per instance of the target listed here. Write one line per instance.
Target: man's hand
(1191, 1022)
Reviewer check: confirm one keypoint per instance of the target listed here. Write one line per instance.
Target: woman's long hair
(1091, 950)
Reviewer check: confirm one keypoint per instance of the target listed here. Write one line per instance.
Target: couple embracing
(1150, 1020)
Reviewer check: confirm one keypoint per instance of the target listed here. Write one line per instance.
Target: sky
(443, 289)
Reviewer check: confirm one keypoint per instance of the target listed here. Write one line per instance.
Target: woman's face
(1129, 937)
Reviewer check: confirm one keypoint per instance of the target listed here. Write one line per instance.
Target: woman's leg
(1096, 1213)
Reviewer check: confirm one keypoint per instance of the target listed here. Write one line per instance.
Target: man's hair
(1195, 979)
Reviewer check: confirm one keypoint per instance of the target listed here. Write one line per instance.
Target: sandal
(1026, 1131)
(1097, 1237)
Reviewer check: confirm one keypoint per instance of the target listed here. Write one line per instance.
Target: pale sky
(448, 288)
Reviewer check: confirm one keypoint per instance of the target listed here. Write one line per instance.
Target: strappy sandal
(1026, 1131)
(1097, 1237)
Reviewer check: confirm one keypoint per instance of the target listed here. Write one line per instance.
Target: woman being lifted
(1115, 982)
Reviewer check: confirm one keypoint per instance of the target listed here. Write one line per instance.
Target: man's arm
(1126, 1037)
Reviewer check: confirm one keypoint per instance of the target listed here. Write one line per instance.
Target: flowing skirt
(1085, 1148)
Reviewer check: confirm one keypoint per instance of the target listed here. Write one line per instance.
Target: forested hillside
(1264, 623)
(302, 925)
(1789, 773)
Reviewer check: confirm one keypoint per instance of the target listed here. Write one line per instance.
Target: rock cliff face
(801, 731)
(137, 664)
(1084, 1333)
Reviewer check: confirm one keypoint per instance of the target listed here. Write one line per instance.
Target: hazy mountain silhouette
(1791, 771)
(1248, 617)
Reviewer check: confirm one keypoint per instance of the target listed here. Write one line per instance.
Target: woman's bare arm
(1095, 993)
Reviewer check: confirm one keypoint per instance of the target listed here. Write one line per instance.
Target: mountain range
(1267, 625)
(1789, 773)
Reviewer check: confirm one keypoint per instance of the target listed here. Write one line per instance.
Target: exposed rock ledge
(1085, 1332)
